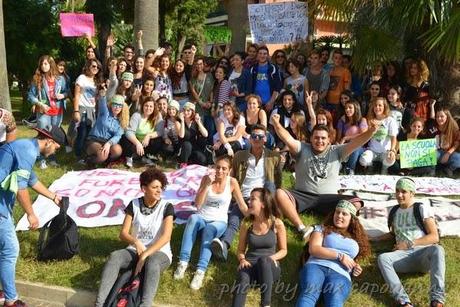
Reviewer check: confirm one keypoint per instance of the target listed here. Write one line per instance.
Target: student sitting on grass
(413, 226)
(147, 228)
(212, 200)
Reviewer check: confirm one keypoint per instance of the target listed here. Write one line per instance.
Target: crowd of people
(251, 116)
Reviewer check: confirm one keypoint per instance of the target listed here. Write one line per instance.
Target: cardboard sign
(76, 24)
(278, 23)
(418, 153)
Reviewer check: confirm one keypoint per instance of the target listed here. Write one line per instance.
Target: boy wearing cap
(416, 248)
(16, 174)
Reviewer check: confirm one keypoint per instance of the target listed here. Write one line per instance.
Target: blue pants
(353, 159)
(454, 160)
(209, 231)
(9, 252)
(84, 127)
(315, 280)
(234, 219)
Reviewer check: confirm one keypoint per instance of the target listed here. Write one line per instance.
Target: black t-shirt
(169, 210)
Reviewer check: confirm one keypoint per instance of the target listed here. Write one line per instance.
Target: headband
(406, 184)
(345, 204)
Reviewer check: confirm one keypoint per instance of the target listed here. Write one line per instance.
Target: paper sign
(418, 153)
(278, 23)
(76, 24)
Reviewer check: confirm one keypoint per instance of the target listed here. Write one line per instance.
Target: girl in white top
(212, 200)
(147, 228)
(382, 146)
(230, 129)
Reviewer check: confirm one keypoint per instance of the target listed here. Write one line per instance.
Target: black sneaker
(219, 249)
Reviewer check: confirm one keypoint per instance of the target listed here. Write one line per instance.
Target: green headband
(406, 184)
(345, 204)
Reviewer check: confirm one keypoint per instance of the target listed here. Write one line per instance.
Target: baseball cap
(56, 133)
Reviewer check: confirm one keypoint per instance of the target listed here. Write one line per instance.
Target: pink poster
(76, 24)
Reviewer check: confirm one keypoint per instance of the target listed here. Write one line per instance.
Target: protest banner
(98, 197)
(278, 23)
(374, 215)
(386, 184)
(76, 24)
(417, 153)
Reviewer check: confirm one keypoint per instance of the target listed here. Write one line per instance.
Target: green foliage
(217, 34)
(185, 20)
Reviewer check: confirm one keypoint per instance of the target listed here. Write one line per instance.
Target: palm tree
(146, 19)
(5, 102)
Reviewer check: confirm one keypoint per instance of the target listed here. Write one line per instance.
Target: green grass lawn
(83, 271)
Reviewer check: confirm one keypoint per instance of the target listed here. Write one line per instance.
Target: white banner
(278, 23)
(374, 215)
(386, 184)
(98, 197)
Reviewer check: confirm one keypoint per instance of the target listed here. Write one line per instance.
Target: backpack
(417, 215)
(127, 290)
(59, 238)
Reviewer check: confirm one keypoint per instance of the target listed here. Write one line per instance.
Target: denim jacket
(35, 96)
(107, 126)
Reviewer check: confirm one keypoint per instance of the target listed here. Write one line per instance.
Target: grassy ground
(83, 271)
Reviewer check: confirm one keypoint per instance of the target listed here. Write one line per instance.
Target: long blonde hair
(423, 73)
(386, 110)
(449, 130)
(123, 116)
(300, 129)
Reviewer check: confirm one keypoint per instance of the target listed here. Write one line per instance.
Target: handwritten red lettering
(81, 211)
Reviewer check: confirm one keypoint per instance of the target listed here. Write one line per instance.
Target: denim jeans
(353, 159)
(210, 125)
(419, 259)
(316, 280)
(209, 231)
(84, 127)
(9, 252)
(454, 159)
(234, 219)
(123, 259)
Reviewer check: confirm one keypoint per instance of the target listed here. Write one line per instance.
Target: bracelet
(339, 256)
(54, 198)
(76, 111)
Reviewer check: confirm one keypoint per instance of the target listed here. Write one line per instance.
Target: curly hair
(354, 231)
(371, 113)
(423, 73)
(151, 174)
(39, 74)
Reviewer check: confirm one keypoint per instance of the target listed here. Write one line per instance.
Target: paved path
(33, 302)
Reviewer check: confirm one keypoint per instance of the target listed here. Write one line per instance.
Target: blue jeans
(419, 259)
(84, 127)
(9, 252)
(210, 125)
(209, 231)
(315, 280)
(454, 160)
(353, 159)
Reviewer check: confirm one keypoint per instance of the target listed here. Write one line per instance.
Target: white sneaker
(197, 280)
(68, 149)
(147, 161)
(129, 162)
(306, 233)
(82, 162)
(53, 163)
(180, 271)
(43, 165)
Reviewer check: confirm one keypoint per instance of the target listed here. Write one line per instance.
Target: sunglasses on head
(256, 136)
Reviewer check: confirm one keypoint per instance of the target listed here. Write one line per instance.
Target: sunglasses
(256, 136)
(116, 105)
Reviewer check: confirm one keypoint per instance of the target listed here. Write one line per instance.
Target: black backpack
(417, 215)
(59, 237)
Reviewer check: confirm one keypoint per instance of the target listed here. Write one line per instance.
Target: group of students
(142, 106)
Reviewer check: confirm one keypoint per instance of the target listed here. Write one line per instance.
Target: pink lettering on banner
(134, 181)
(82, 192)
(118, 206)
(103, 193)
(76, 24)
(81, 211)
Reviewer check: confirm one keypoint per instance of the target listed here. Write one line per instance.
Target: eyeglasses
(256, 136)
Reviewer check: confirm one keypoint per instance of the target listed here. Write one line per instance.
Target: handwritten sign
(98, 197)
(76, 24)
(418, 153)
(278, 23)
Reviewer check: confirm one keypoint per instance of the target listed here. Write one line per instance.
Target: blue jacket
(243, 82)
(61, 86)
(107, 127)
(274, 77)
(18, 155)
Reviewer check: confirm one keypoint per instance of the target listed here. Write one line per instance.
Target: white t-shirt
(215, 207)
(405, 225)
(88, 91)
(255, 175)
(381, 141)
(230, 129)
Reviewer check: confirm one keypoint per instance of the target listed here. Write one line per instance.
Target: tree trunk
(146, 19)
(5, 101)
(162, 21)
(238, 23)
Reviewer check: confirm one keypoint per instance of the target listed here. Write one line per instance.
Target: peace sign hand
(308, 98)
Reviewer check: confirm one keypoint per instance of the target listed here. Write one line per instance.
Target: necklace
(318, 165)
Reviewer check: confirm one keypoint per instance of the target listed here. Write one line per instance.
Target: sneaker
(180, 271)
(405, 304)
(18, 303)
(197, 280)
(68, 149)
(436, 303)
(2, 297)
(219, 249)
(305, 233)
(82, 162)
(129, 162)
(147, 161)
(53, 163)
(42, 164)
